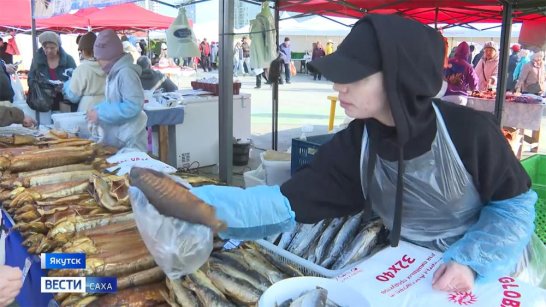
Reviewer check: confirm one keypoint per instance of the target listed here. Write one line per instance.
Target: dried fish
(180, 294)
(172, 199)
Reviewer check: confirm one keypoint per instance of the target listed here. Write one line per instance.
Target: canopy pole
(436, 11)
(225, 99)
(275, 83)
(33, 25)
(504, 50)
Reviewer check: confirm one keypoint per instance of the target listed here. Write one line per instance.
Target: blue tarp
(17, 256)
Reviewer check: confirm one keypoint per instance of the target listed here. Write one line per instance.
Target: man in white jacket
(487, 68)
(86, 87)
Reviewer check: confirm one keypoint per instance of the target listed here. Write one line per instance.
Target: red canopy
(16, 14)
(426, 11)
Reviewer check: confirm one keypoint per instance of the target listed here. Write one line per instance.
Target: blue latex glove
(114, 113)
(68, 94)
(250, 214)
(493, 246)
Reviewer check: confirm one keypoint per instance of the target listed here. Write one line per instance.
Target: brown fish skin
(172, 199)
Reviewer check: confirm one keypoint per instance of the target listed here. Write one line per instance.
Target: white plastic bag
(178, 247)
(19, 93)
(402, 276)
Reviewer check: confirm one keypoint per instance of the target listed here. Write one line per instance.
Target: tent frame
(226, 39)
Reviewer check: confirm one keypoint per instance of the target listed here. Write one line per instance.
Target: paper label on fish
(124, 162)
(402, 276)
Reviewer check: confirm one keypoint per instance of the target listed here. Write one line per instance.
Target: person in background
(11, 281)
(153, 79)
(214, 55)
(460, 76)
(237, 59)
(52, 62)
(329, 47)
(488, 67)
(524, 58)
(286, 55)
(472, 48)
(477, 58)
(120, 115)
(318, 53)
(6, 90)
(533, 77)
(246, 54)
(306, 59)
(86, 87)
(129, 48)
(143, 47)
(204, 48)
(512, 64)
(6, 57)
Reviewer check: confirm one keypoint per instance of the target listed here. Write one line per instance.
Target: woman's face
(50, 49)
(490, 53)
(365, 98)
(103, 64)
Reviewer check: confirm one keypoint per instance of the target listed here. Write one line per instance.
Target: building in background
(166, 10)
(244, 13)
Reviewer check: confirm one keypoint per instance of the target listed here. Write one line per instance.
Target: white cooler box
(74, 122)
(197, 137)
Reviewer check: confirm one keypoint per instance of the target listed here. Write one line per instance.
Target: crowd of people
(526, 72)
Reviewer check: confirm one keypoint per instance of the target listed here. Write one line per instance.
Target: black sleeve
(168, 85)
(6, 91)
(330, 185)
(485, 153)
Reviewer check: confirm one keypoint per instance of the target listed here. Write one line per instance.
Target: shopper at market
(524, 58)
(512, 64)
(487, 68)
(533, 77)
(86, 87)
(329, 47)
(237, 59)
(318, 53)
(204, 48)
(439, 175)
(11, 281)
(120, 115)
(286, 54)
(246, 54)
(129, 48)
(153, 79)
(51, 62)
(460, 76)
(6, 90)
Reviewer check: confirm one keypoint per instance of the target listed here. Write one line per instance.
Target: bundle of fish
(236, 277)
(334, 243)
(316, 298)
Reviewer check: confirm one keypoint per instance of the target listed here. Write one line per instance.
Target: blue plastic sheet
(17, 256)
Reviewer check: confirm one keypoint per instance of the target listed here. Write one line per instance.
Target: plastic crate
(303, 151)
(536, 168)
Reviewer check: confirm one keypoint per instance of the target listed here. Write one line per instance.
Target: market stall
(518, 115)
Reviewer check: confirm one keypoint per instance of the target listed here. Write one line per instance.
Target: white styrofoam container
(276, 172)
(254, 178)
(74, 122)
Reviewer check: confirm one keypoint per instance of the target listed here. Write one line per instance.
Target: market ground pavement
(303, 102)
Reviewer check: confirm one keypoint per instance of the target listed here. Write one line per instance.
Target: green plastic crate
(536, 168)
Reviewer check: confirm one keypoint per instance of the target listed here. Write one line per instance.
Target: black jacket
(331, 185)
(6, 91)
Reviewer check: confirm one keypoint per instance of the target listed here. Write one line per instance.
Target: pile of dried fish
(336, 243)
(316, 298)
(230, 278)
